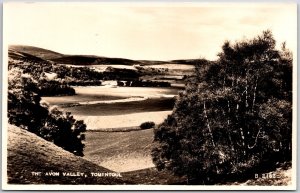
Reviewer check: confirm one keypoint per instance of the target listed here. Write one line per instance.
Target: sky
(153, 31)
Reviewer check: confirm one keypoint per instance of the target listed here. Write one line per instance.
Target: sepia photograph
(149, 96)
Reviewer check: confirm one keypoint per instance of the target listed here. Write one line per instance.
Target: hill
(29, 153)
(36, 51)
(17, 55)
(46, 54)
(92, 60)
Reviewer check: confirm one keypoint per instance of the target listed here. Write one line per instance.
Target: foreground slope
(29, 153)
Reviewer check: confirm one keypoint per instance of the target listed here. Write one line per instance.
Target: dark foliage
(120, 74)
(85, 83)
(26, 111)
(76, 60)
(147, 125)
(93, 60)
(54, 88)
(66, 76)
(189, 62)
(234, 118)
(77, 74)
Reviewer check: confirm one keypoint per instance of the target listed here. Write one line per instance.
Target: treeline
(120, 74)
(77, 74)
(65, 76)
(234, 118)
(146, 70)
(54, 88)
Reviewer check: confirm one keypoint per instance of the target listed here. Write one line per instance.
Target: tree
(25, 110)
(237, 118)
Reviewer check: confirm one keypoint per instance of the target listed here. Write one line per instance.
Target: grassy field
(117, 122)
(126, 91)
(99, 101)
(79, 97)
(29, 153)
(122, 108)
(106, 108)
(120, 151)
(98, 93)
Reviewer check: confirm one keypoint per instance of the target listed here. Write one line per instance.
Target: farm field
(119, 122)
(103, 107)
(107, 93)
(122, 108)
(120, 151)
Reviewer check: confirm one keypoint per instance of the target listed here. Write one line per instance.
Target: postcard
(149, 96)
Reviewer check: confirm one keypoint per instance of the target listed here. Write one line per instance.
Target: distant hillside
(75, 60)
(18, 55)
(152, 62)
(93, 60)
(89, 59)
(35, 51)
(29, 153)
(187, 61)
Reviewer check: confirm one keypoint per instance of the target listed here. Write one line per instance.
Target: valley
(113, 97)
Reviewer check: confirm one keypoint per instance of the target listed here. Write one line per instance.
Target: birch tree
(236, 119)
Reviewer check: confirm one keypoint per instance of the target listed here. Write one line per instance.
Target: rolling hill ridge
(60, 58)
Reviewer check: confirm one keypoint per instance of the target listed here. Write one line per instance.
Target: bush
(147, 125)
(54, 88)
(236, 121)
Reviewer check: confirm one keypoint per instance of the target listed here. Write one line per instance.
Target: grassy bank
(29, 153)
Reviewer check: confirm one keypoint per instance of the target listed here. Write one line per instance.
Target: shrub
(147, 125)
(54, 88)
(26, 111)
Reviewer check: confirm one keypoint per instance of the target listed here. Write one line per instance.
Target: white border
(6, 186)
